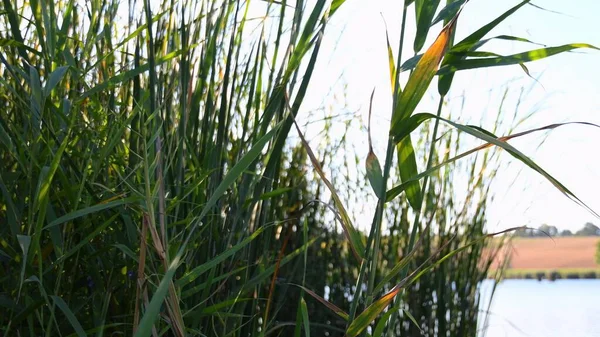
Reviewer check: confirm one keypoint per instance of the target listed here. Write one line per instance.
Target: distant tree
(566, 232)
(524, 233)
(589, 229)
(598, 252)
(545, 230)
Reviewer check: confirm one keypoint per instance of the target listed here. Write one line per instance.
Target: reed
(150, 187)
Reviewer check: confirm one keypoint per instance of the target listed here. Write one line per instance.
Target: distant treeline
(589, 229)
(553, 275)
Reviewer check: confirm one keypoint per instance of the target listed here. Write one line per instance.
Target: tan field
(555, 253)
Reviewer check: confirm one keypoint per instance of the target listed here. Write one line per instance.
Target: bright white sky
(354, 59)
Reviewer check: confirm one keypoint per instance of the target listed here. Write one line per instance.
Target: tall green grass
(149, 187)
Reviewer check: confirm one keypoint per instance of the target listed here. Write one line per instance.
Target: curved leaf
(373, 167)
(407, 163)
(375, 175)
(528, 56)
(378, 332)
(326, 303)
(419, 80)
(411, 63)
(410, 125)
(500, 142)
(448, 12)
(467, 44)
(59, 302)
(424, 10)
(305, 320)
(369, 314)
(147, 321)
(354, 238)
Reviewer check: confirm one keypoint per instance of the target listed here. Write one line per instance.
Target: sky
(353, 61)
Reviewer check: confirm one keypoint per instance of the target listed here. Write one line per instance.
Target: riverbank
(553, 274)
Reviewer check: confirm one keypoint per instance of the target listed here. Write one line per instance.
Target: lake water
(563, 308)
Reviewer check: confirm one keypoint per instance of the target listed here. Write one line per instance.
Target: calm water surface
(563, 308)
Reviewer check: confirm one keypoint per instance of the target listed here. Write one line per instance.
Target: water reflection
(563, 308)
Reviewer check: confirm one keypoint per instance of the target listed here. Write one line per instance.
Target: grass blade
(425, 9)
(378, 332)
(449, 11)
(147, 321)
(352, 235)
(410, 316)
(407, 163)
(54, 78)
(326, 303)
(363, 320)
(374, 173)
(62, 305)
(24, 243)
(419, 80)
(468, 43)
(519, 58)
(500, 142)
(305, 320)
(92, 209)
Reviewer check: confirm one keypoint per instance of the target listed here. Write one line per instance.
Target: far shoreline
(549, 274)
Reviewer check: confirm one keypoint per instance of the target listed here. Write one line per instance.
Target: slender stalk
(416, 225)
(375, 232)
(386, 171)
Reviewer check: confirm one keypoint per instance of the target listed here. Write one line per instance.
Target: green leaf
(411, 63)
(24, 243)
(502, 143)
(399, 266)
(127, 75)
(92, 209)
(305, 40)
(268, 271)
(378, 332)
(408, 314)
(407, 163)
(518, 58)
(62, 305)
(225, 304)
(305, 320)
(419, 80)
(425, 10)
(520, 156)
(468, 42)
(201, 269)
(363, 320)
(391, 61)
(410, 125)
(36, 87)
(147, 321)
(298, 327)
(335, 4)
(375, 175)
(444, 82)
(127, 251)
(416, 86)
(352, 235)
(97, 230)
(13, 43)
(448, 12)
(6, 140)
(12, 214)
(54, 79)
(326, 303)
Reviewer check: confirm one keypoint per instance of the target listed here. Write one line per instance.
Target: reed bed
(150, 186)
